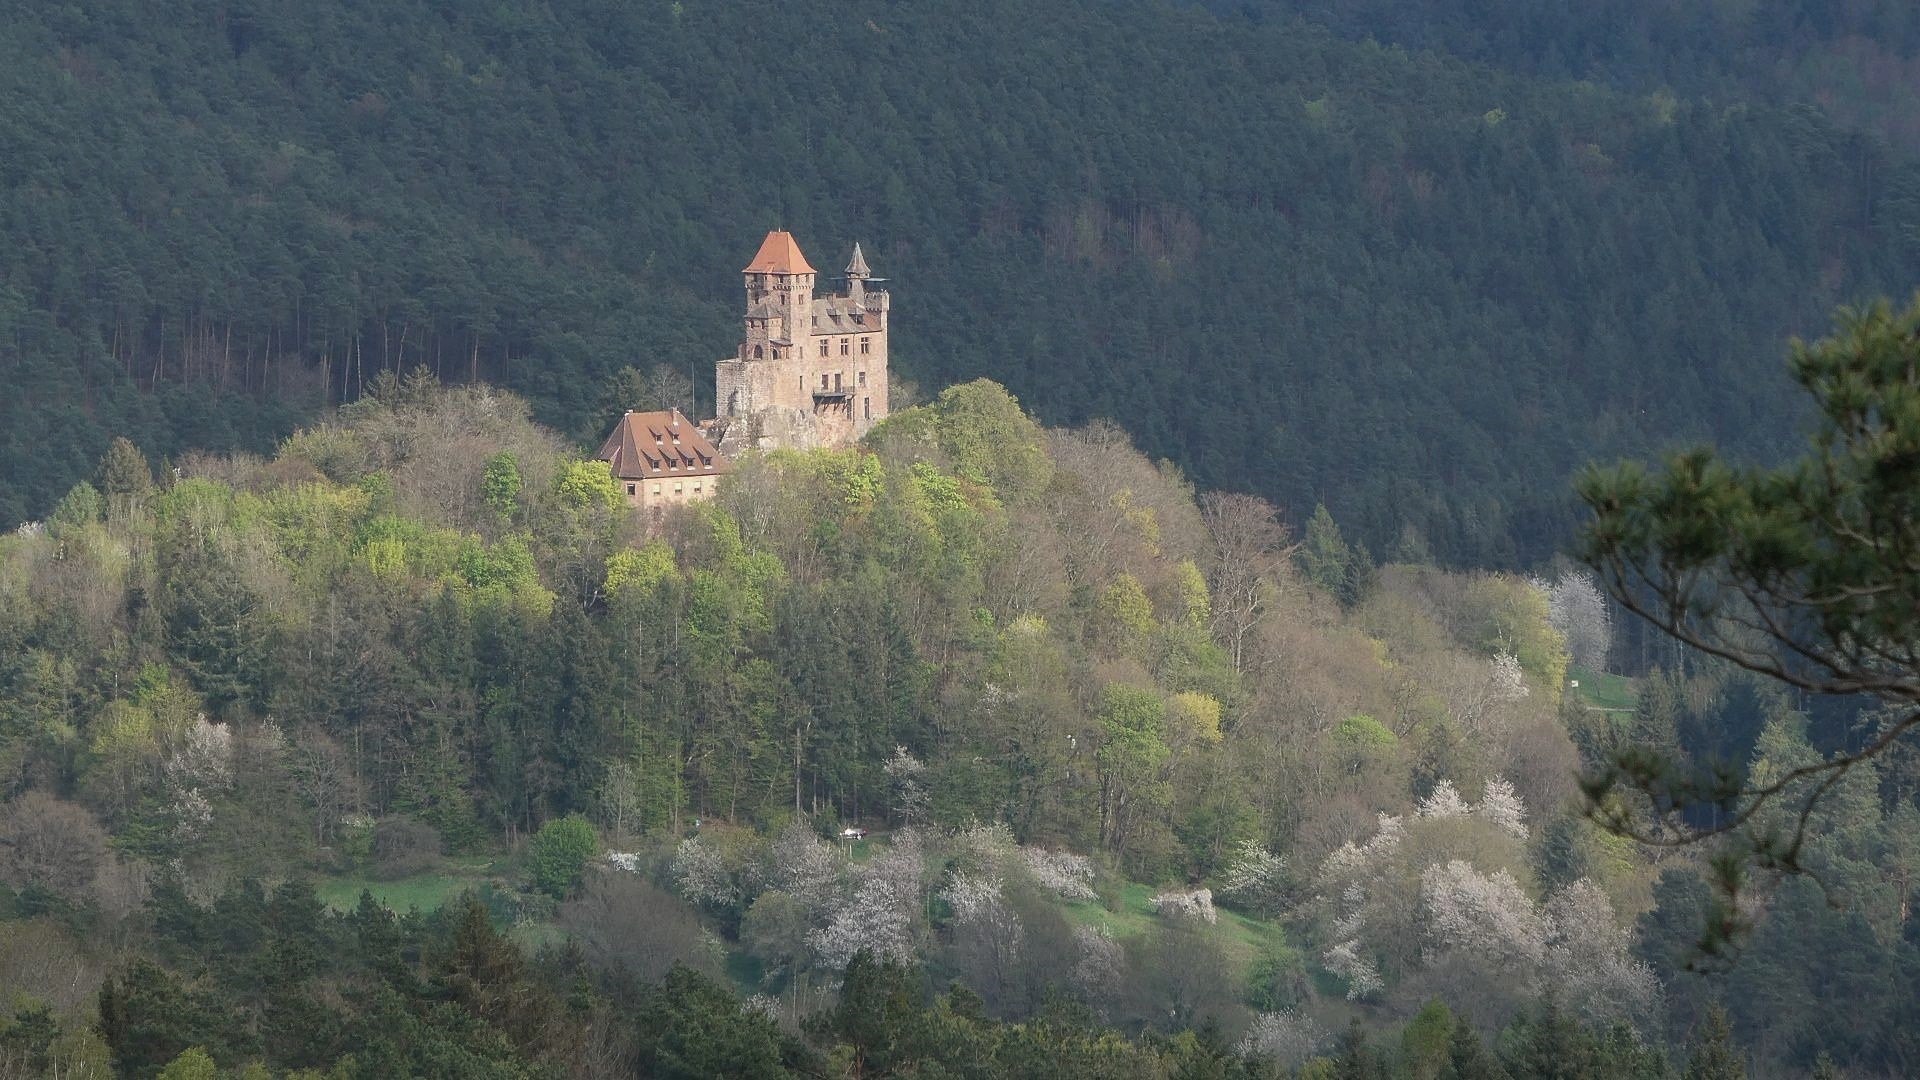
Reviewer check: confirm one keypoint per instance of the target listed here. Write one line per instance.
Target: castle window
(823, 380)
(863, 379)
(656, 489)
(696, 487)
(733, 402)
(836, 380)
(843, 346)
(677, 487)
(823, 348)
(867, 405)
(863, 346)
(630, 488)
(758, 353)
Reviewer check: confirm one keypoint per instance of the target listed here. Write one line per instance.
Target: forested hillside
(1858, 61)
(1418, 291)
(1164, 787)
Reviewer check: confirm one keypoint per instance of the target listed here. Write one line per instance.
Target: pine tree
(1713, 1056)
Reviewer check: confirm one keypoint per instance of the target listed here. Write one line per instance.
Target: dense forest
(1415, 289)
(1141, 782)
(1857, 61)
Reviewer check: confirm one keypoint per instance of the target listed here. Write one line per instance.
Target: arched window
(759, 353)
(733, 402)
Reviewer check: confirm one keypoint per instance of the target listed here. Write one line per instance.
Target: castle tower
(810, 370)
(780, 285)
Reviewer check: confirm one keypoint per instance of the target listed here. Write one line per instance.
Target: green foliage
(638, 571)
(984, 434)
(1426, 1042)
(588, 484)
(192, 1064)
(1792, 573)
(81, 506)
(1713, 1056)
(558, 853)
(1126, 611)
(1427, 353)
(500, 484)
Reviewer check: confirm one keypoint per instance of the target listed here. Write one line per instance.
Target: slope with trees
(1135, 752)
(1417, 291)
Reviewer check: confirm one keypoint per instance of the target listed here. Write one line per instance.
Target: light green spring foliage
(586, 485)
(500, 484)
(1126, 610)
(982, 431)
(1194, 717)
(638, 571)
(1196, 605)
(1511, 616)
(557, 855)
(1052, 661)
(1361, 743)
(192, 1064)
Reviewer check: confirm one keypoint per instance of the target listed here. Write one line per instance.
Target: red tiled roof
(779, 254)
(650, 444)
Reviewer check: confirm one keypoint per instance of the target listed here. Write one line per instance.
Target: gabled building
(662, 459)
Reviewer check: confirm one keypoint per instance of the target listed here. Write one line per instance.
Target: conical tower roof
(857, 266)
(779, 254)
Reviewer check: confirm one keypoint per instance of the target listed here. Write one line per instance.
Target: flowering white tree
(702, 876)
(1345, 873)
(1578, 609)
(1066, 875)
(1099, 964)
(1360, 972)
(1589, 959)
(882, 912)
(983, 847)
(987, 932)
(201, 755)
(1196, 904)
(1289, 1038)
(1255, 877)
(1350, 858)
(192, 814)
(1486, 916)
(1443, 801)
(199, 759)
(803, 866)
(1501, 806)
(1506, 679)
(909, 792)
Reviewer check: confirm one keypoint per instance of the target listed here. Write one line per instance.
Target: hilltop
(1417, 290)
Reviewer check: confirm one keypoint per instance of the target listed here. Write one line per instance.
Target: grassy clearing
(426, 892)
(1244, 942)
(1602, 691)
(1130, 916)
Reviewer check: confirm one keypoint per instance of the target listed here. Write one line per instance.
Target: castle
(810, 371)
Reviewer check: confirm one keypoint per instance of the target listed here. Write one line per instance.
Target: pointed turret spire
(857, 266)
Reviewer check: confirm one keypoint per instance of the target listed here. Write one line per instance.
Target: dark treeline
(1417, 291)
(1857, 61)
